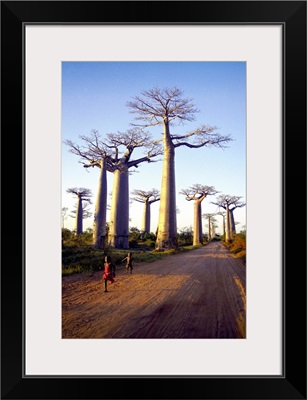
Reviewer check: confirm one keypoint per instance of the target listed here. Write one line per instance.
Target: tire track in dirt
(197, 294)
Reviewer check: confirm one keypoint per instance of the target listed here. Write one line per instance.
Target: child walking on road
(108, 273)
(128, 263)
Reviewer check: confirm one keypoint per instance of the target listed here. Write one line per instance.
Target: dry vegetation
(238, 246)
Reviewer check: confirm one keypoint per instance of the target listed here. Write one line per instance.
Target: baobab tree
(211, 219)
(223, 214)
(96, 153)
(198, 193)
(147, 198)
(166, 107)
(83, 195)
(232, 223)
(228, 203)
(107, 156)
(86, 212)
(122, 162)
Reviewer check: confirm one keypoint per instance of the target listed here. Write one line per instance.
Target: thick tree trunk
(227, 235)
(99, 229)
(209, 229)
(119, 218)
(213, 231)
(146, 218)
(79, 217)
(232, 224)
(198, 234)
(167, 227)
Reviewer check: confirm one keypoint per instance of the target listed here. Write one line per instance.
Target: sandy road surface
(197, 294)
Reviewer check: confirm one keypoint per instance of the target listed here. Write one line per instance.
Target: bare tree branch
(198, 192)
(143, 196)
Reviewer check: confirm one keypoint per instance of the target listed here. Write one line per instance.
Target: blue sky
(94, 96)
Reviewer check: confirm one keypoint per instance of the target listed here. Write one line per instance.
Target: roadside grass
(87, 260)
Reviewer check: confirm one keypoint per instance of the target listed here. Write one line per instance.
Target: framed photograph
(85, 85)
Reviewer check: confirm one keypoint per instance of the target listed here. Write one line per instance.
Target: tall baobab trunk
(119, 218)
(146, 217)
(100, 217)
(227, 236)
(167, 226)
(224, 228)
(209, 229)
(213, 230)
(232, 227)
(79, 216)
(198, 233)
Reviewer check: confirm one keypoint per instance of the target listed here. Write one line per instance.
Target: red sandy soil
(197, 294)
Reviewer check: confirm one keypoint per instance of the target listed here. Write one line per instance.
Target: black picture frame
(292, 16)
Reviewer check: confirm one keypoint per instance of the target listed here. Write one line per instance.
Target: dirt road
(197, 294)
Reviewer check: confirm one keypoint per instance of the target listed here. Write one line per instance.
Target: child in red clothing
(108, 273)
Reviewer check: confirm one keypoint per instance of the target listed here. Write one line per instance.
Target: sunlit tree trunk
(167, 226)
(227, 236)
(99, 228)
(209, 229)
(198, 233)
(119, 218)
(163, 106)
(232, 226)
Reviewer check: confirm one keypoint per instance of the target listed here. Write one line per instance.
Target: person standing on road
(108, 273)
(128, 263)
